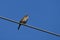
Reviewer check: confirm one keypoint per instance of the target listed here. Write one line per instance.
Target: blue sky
(43, 14)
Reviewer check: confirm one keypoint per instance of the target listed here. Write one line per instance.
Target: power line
(33, 27)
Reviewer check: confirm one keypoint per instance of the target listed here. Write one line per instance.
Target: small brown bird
(23, 21)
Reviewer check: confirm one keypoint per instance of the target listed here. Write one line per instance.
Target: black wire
(39, 29)
(8, 19)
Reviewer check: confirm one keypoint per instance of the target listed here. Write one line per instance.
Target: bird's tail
(19, 26)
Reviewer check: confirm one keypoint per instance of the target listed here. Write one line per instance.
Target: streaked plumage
(23, 21)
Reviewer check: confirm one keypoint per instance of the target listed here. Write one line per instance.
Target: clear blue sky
(43, 14)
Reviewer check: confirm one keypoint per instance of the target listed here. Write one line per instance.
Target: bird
(23, 21)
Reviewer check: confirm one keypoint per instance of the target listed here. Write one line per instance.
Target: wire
(9, 19)
(33, 27)
(39, 29)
